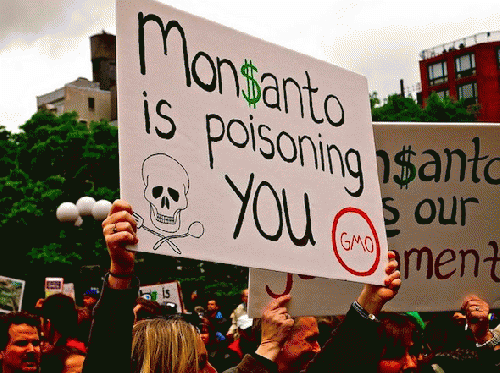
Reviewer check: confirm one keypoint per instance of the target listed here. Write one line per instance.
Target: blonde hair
(165, 346)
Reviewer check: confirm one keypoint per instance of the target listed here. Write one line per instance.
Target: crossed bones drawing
(195, 229)
(166, 184)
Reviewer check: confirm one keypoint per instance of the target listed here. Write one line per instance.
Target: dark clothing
(489, 358)
(218, 321)
(353, 347)
(110, 341)
(253, 363)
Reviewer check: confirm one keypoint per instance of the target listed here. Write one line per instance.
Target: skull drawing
(166, 187)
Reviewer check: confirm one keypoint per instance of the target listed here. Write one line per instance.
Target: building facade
(92, 100)
(466, 69)
(83, 96)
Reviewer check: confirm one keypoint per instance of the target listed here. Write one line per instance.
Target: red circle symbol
(354, 210)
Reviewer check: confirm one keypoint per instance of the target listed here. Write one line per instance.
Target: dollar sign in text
(253, 89)
(408, 169)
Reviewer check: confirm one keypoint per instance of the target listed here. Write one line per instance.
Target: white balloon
(101, 209)
(67, 212)
(85, 205)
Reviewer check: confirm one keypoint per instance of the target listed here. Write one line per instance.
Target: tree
(53, 159)
(374, 100)
(404, 109)
(448, 110)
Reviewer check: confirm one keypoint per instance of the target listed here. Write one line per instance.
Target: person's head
(168, 345)
(74, 363)
(446, 332)
(19, 342)
(300, 347)
(402, 341)
(63, 359)
(326, 325)
(199, 310)
(60, 314)
(212, 305)
(146, 309)
(90, 298)
(248, 339)
(244, 296)
(207, 331)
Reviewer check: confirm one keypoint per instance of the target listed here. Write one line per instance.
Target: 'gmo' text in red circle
(354, 237)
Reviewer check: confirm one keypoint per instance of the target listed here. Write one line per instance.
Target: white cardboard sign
(69, 290)
(441, 192)
(169, 292)
(239, 151)
(53, 285)
(11, 294)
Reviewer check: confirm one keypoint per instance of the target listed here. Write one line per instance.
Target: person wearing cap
(238, 312)
(245, 341)
(90, 298)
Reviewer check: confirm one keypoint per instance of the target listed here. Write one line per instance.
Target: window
(443, 94)
(465, 65)
(468, 92)
(438, 73)
(91, 103)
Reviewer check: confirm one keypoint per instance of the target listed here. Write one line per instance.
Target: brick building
(467, 69)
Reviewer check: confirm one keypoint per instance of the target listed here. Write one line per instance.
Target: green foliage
(374, 100)
(401, 109)
(53, 159)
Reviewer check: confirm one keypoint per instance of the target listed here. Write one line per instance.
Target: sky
(44, 44)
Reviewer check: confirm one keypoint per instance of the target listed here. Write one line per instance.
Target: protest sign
(440, 188)
(53, 285)
(169, 292)
(239, 151)
(69, 290)
(11, 294)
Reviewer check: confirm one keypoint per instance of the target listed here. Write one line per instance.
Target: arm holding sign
(373, 297)
(487, 340)
(476, 311)
(110, 339)
(354, 344)
(275, 329)
(276, 325)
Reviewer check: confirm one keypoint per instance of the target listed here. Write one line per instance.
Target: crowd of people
(117, 331)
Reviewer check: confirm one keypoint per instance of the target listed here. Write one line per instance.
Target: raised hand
(120, 230)
(373, 297)
(476, 311)
(276, 325)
